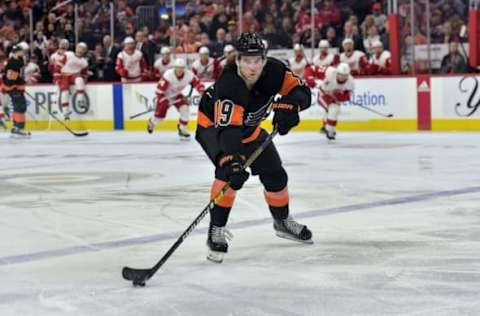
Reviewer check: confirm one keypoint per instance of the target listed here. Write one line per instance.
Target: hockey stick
(373, 111)
(139, 276)
(78, 134)
(141, 113)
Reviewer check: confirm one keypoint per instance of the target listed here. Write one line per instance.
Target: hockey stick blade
(137, 276)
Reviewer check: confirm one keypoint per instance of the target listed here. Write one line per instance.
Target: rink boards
(417, 103)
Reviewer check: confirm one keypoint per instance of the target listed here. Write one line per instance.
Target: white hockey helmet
(204, 50)
(128, 40)
(324, 44)
(228, 48)
(179, 63)
(24, 46)
(377, 43)
(165, 50)
(347, 41)
(297, 47)
(343, 69)
(82, 45)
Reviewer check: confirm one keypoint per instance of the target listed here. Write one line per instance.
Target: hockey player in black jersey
(230, 113)
(14, 86)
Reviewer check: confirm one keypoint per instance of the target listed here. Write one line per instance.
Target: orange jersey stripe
(277, 199)
(253, 136)
(203, 120)
(290, 81)
(18, 117)
(228, 198)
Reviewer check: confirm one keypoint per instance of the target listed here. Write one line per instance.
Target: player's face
(179, 71)
(166, 57)
(377, 50)
(298, 53)
(323, 50)
(348, 47)
(80, 51)
(204, 57)
(251, 67)
(342, 78)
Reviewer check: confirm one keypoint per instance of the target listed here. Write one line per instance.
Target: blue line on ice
(47, 254)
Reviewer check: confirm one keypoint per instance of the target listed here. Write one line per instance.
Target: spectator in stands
(378, 16)
(285, 33)
(331, 37)
(453, 62)
(220, 20)
(96, 63)
(219, 44)
(329, 14)
(232, 29)
(372, 36)
(147, 47)
(109, 53)
(351, 32)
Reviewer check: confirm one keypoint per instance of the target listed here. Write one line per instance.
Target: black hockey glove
(286, 117)
(232, 166)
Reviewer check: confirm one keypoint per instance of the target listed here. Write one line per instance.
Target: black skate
(290, 229)
(183, 133)
(330, 135)
(3, 123)
(19, 133)
(66, 116)
(150, 126)
(217, 243)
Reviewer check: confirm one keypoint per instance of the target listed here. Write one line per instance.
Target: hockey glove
(286, 117)
(232, 167)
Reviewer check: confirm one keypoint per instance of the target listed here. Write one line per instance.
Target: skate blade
(215, 256)
(290, 237)
(184, 139)
(14, 136)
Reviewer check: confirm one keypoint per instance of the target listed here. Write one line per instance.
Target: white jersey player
(32, 71)
(356, 59)
(170, 92)
(324, 59)
(54, 65)
(298, 63)
(130, 65)
(335, 89)
(162, 64)
(381, 60)
(74, 71)
(206, 68)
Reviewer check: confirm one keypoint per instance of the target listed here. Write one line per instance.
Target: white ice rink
(395, 218)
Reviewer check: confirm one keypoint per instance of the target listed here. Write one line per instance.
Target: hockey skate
(66, 116)
(330, 134)
(217, 243)
(323, 130)
(183, 132)
(19, 133)
(150, 125)
(3, 123)
(290, 229)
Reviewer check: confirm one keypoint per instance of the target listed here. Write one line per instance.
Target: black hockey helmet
(250, 44)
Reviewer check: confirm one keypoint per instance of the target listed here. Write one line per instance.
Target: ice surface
(395, 217)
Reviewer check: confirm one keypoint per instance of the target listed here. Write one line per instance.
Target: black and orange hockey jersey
(230, 106)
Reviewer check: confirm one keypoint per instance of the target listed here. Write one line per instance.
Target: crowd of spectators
(214, 23)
